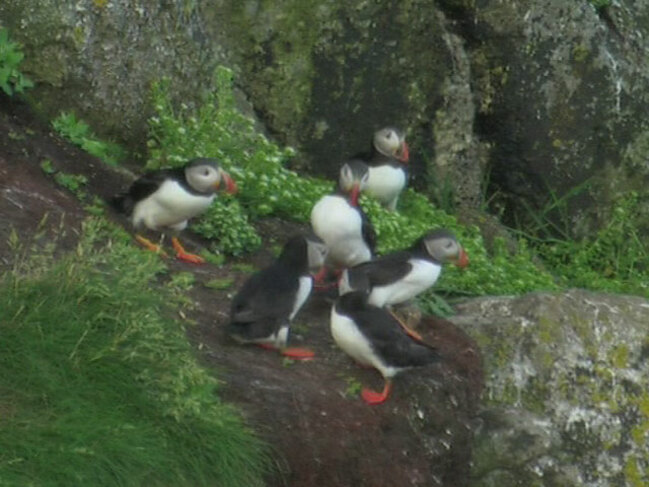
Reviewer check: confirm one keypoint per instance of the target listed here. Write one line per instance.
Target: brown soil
(321, 435)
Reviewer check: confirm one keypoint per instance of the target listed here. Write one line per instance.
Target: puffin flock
(339, 252)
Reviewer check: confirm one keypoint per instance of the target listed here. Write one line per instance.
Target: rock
(561, 90)
(566, 399)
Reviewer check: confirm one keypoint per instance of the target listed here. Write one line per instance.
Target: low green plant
(99, 387)
(11, 79)
(220, 284)
(600, 4)
(75, 183)
(72, 182)
(615, 259)
(78, 132)
(218, 129)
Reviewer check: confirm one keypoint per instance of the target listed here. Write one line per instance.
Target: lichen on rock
(566, 399)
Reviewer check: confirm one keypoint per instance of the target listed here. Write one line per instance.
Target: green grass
(100, 387)
(12, 80)
(78, 132)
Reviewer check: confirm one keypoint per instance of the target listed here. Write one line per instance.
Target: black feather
(387, 338)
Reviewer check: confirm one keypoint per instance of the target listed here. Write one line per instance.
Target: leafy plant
(73, 182)
(615, 259)
(78, 132)
(218, 129)
(11, 79)
(600, 4)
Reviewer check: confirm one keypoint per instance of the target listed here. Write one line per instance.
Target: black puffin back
(295, 255)
(145, 186)
(387, 338)
(270, 292)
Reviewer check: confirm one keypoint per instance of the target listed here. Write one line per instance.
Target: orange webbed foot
(147, 244)
(298, 353)
(372, 397)
(182, 254)
(409, 331)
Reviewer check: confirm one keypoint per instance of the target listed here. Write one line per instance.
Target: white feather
(386, 183)
(303, 292)
(339, 225)
(351, 341)
(422, 276)
(169, 206)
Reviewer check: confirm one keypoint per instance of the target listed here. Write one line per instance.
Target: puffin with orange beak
(373, 337)
(387, 161)
(399, 276)
(340, 222)
(165, 199)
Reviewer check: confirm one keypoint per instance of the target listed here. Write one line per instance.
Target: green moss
(549, 330)
(633, 474)
(580, 52)
(619, 356)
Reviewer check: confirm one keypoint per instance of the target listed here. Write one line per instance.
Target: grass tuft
(99, 387)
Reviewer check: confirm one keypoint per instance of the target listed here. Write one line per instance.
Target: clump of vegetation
(78, 132)
(100, 387)
(266, 187)
(615, 259)
(11, 79)
(75, 183)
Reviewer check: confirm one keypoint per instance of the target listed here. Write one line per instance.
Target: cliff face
(520, 100)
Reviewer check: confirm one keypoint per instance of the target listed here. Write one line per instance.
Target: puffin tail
(122, 203)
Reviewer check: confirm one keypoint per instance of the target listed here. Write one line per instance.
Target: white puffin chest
(340, 226)
(303, 292)
(354, 343)
(422, 276)
(386, 182)
(170, 205)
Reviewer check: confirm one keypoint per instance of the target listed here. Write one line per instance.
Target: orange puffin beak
(230, 185)
(404, 153)
(354, 194)
(462, 259)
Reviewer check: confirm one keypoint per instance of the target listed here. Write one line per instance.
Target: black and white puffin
(399, 276)
(163, 200)
(262, 311)
(387, 175)
(340, 222)
(373, 337)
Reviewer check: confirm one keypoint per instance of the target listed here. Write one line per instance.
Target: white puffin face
(317, 253)
(352, 173)
(445, 248)
(204, 178)
(388, 141)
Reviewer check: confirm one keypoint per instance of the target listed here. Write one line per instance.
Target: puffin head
(354, 175)
(317, 251)
(391, 142)
(206, 176)
(443, 247)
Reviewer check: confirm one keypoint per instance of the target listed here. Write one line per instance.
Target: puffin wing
(385, 270)
(143, 187)
(391, 343)
(367, 231)
(267, 295)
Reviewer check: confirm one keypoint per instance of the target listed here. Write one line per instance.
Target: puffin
(399, 276)
(372, 336)
(262, 310)
(387, 159)
(341, 223)
(163, 200)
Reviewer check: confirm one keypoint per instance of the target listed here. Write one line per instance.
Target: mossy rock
(566, 393)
